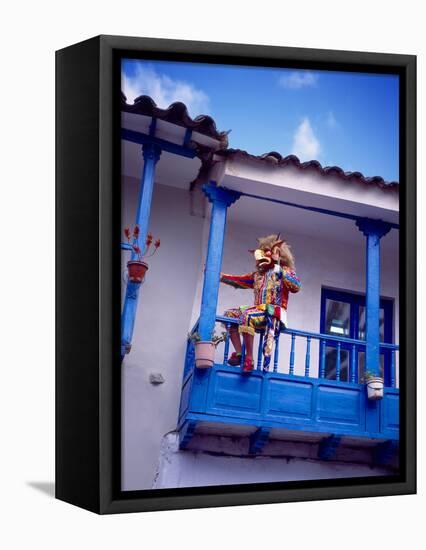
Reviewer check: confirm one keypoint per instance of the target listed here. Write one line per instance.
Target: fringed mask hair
(272, 250)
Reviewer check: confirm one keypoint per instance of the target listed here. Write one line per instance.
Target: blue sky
(344, 119)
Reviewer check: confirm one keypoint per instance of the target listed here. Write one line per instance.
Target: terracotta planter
(204, 355)
(136, 270)
(375, 388)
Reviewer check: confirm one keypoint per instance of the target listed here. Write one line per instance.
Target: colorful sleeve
(291, 280)
(238, 281)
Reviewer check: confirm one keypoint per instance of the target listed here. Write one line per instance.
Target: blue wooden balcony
(314, 401)
(287, 405)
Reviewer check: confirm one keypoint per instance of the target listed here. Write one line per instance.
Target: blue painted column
(221, 199)
(373, 230)
(151, 155)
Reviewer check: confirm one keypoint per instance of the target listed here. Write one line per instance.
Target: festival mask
(267, 256)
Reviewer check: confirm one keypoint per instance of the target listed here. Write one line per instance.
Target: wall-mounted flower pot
(375, 388)
(136, 270)
(204, 355)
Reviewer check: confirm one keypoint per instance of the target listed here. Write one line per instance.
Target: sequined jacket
(271, 287)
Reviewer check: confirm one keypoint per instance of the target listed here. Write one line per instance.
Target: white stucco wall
(191, 468)
(162, 322)
(170, 303)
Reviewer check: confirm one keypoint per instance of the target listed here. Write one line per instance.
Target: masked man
(272, 281)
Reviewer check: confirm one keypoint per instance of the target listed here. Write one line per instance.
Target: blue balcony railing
(351, 346)
(315, 384)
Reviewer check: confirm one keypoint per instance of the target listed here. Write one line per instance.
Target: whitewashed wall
(162, 322)
(191, 469)
(170, 303)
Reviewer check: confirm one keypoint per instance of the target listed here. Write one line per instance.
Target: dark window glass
(337, 317)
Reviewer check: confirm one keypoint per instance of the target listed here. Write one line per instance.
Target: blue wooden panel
(230, 391)
(289, 399)
(339, 405)
(189, 358)
(274, 400)
(372, 413)
(390, 412)
(200, 388)
(185, 396)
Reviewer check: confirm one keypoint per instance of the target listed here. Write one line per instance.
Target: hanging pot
(204, 355)
(375, 387)
(136, 270)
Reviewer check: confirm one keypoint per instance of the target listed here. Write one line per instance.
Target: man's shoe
(235, 359)
(248, 365)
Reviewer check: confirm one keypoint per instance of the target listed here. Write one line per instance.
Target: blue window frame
(343, 314)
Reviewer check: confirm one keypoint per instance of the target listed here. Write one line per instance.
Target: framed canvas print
(235, 274)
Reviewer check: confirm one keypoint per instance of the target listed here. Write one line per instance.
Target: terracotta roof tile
(176, 113)
(291, 160)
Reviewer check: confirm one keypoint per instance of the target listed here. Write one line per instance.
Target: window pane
(337, 317)
(361, 366)
(330, 363)
(361, 326)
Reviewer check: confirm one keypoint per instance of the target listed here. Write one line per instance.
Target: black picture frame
(87, 249)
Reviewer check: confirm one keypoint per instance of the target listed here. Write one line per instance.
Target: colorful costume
(272, 283)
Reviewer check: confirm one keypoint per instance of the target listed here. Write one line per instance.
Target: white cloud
(331, 120)
(164, 90)
(298, 79)
(305, 143)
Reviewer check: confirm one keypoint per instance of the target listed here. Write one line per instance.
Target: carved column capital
(377, 228)
(220, 194)
(151, 151)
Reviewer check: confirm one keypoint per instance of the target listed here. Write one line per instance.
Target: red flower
(157, 243)
(127, 233)
(136, 231)
(136, 249)
(148, 239)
